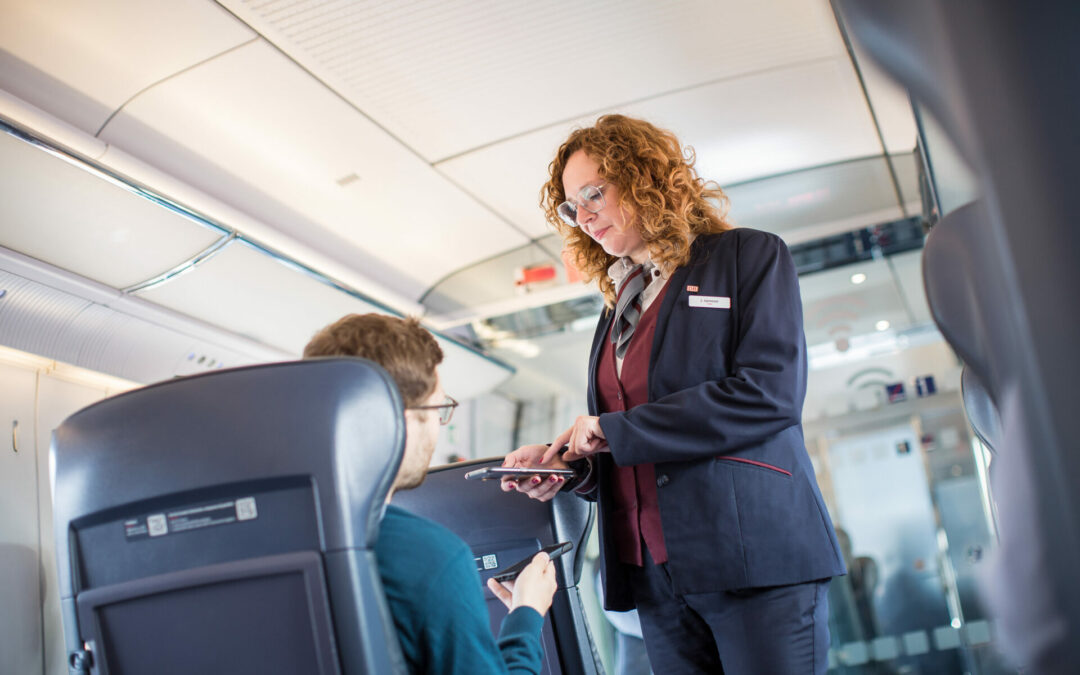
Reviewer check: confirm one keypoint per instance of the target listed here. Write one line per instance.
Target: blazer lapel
(674, 292)
(602, 328)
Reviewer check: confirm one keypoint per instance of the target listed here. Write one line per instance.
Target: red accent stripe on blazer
(755, 463)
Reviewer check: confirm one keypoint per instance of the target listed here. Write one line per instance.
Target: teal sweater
(436, 598)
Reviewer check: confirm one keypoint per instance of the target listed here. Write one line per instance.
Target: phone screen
(510, 573)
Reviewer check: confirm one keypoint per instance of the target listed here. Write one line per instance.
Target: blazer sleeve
(764, 390)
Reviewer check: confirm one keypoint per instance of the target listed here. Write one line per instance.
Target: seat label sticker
(190, 518)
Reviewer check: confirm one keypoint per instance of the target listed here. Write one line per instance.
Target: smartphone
(510, 573)
(496, 473)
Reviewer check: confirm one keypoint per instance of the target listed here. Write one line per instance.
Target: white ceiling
(742, 128)
(409, 139)
(448, 76)
(406, 142)
(81, 61)
(285, 141)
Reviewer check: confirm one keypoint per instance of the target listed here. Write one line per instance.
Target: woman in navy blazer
(711, 521)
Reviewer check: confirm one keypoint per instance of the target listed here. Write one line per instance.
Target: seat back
(226, 523)
(964, 290)
(990, 74)
(981, 412)
(504, 528)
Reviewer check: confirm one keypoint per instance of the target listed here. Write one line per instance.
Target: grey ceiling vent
(49, 322)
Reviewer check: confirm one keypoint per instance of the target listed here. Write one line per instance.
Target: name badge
(713, 301)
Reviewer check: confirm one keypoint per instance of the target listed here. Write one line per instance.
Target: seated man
(428, 573)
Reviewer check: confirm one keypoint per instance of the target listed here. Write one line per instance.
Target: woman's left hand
(584, 438)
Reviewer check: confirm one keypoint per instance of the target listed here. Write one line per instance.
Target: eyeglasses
(590, 197)
(446, 409)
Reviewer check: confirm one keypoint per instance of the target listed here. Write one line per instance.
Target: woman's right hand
(534, 587)
(529, 457)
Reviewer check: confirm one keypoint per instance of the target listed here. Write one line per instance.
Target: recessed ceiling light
(882, 325)
(858, 278)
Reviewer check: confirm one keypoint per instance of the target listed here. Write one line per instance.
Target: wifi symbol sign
(832, 320)
(873, 377)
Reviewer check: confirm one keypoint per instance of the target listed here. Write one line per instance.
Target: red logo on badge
(692, 289)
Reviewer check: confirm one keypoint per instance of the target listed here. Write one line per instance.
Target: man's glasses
(446, 410)
(590, 198)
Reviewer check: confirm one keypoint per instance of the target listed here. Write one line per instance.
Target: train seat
(504, 528)
(226, 523)
(981, 412)
(961, 285)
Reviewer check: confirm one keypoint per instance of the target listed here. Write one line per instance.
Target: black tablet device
(510, 573)
(497, 473)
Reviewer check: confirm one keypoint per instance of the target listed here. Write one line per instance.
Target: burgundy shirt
(636, 516)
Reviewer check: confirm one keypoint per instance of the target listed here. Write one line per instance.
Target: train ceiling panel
(509, 175)
(256, 296)
(268, 300)
(82, 60)
(301, 158)
(827, 200)
(741, 129)
(447, 76)
(59, 212)
(791, 118)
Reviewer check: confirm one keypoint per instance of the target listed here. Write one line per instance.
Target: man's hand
(534, 587)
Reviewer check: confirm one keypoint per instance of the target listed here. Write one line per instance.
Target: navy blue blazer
(738, 500)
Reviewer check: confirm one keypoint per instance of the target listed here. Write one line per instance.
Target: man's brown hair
(402, 346)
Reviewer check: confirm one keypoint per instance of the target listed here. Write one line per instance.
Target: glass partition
(951, 177)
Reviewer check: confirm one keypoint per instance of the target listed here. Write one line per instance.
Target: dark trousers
(775, 631)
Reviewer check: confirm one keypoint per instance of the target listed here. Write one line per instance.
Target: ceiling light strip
(100, 171)
(184, 267)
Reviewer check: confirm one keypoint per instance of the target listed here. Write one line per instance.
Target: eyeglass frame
(450, 403)
(572, 222)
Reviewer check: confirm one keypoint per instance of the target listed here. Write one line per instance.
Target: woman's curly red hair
(657, 183)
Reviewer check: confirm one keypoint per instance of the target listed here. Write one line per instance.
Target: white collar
(621, 267)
